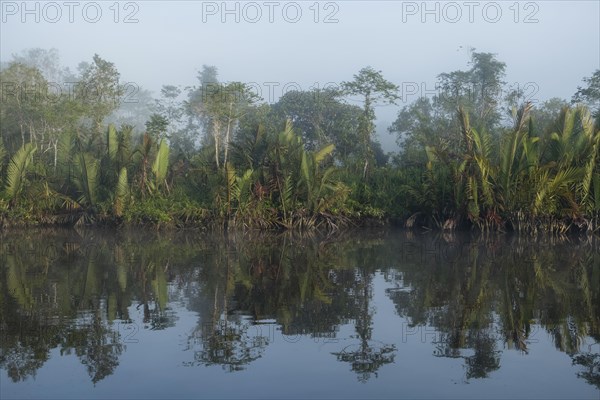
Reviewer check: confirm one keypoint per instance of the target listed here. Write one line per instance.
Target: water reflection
(473, 298)
(367, 356)
(485, 294)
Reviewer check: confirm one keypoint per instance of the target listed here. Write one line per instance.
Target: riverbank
(197, 218)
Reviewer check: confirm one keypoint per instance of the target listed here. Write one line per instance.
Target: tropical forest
(87, 148)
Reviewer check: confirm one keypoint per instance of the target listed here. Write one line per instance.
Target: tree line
(476, 154)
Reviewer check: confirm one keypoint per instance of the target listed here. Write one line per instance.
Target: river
(376, 313)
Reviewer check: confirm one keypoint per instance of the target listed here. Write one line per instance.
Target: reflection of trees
(591, 367)
(223, 339)
(21, 361)
(486, 358)
(229, 344)
(96, 344)
(366, 357)
(308, 286)
(68, 293)
(292, 283)
(465, 322)
(480, 297)
(296, 283)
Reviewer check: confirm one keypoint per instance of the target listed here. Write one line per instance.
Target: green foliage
(166, 211)
(16, 173)
(103, 76)
(122, 192)
(148, 211)
(86, 179)
(2, 156)
(307, 161)
(157, 126)
(590, 95)
(161, 164)
(596, 204)
(373, 88)
(314, 181)
(518, 181)
(112, 143)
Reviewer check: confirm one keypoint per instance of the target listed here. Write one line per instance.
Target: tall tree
(590, 95)
(99, 89)
(24, 100)
(46, 61)
(223, 105)
(487, 74)
(170, 107)
(418, 125)
(477, 90)
(208, 79)
(320, 117)
(198, 120)
(373, 88)
(135, 107)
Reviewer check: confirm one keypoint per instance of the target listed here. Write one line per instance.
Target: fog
(548, 46)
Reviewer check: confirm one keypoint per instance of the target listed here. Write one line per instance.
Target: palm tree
(16, 174)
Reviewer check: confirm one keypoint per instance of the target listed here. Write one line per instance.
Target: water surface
(368, 314)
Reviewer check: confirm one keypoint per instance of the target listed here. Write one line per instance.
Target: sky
(548, 46)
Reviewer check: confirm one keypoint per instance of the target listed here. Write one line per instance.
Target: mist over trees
(88, 147)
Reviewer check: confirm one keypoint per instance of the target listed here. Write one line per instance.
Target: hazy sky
(548, 46)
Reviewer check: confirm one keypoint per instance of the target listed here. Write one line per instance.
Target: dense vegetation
(477, 154)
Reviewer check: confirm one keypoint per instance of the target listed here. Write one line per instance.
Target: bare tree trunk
(31, 132)
(22, 135)
(229, 118)
(216, 134)
(144, 176)
(55, 146)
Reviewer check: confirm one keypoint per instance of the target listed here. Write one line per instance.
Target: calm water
(99, 314)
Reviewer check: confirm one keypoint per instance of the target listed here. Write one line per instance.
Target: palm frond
(465, 128)
(122, 192)
(554, 188)
(287, 193)
(596, 183)
(86, 178)
(112, 143)
(305, 168)
(17, 170)
(522, 117)
(324, 152)
(161, 163)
